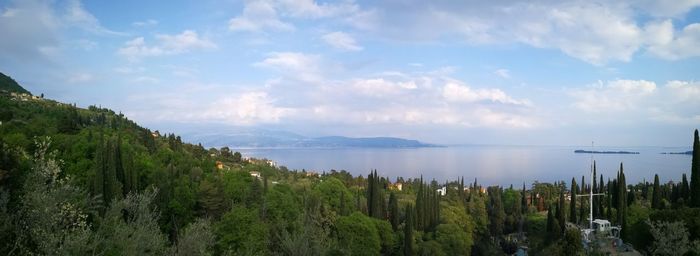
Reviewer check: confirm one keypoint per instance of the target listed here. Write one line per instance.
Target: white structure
(442, 191)
(255, 174)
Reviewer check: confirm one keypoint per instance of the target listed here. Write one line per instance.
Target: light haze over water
(491, 165)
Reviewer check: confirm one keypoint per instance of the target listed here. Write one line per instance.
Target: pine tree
(695, 173)
(408, 232)
(656, 196)
(572, 207)
(393, 211)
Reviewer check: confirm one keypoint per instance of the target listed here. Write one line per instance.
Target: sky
(620, 73)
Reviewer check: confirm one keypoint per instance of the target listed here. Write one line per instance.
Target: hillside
(89, 181)
(10, 85)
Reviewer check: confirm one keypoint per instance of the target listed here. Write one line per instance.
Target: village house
(255, 174)
(396, 186)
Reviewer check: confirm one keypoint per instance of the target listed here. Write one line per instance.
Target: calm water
(502, 165)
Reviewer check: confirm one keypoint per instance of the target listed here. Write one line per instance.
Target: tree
(572, 207)
(359, 235)
(495, 211)
(240, 231)
(408, 232)
(685, 189)
(560, 213)
(572, 242)
(656, 197)
(695, 173)
(453, 239)
(670, 238)
(197, 239)
(393, 211)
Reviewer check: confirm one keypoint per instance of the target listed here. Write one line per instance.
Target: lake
(491, 165)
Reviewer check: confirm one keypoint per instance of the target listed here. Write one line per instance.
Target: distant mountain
(10, 85)
(271, 139)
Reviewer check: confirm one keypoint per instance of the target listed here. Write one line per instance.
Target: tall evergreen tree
(572, 206)
(408, 232)
(656, 196)
(695, 173)
(601, 204)
(393, 211)
(594, 189)
(523, 201)
(583, 203)
(685, 189)
(560, 213)
(551, 221)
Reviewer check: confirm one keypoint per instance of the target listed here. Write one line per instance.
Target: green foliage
(358, 234)
(332, 191)
(670, 238)
(10, 85)
(695, 173)
(242, 232)
(197, 239)
(453, 239)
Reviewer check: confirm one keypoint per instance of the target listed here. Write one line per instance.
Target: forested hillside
(79, 181)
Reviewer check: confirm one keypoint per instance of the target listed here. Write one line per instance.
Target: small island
(580, 151)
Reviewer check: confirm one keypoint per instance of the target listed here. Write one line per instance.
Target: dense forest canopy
(77, 181)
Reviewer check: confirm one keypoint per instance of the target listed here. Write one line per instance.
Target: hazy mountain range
(253, 137)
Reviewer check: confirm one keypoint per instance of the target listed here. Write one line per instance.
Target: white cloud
(167, 45)
(341, 41)
(595, 32)
(670, 45)
(379, 87)
(455, 92)
(145, 23)
(146, 80)
(613, 96)
(258, 16)
(80, 78)
(246, 109)
(504, 73)
(76, 15)
(262, 15)
(304, 67)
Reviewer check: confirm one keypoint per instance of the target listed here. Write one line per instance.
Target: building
(396, 186)
(255, 174)
(442, 191)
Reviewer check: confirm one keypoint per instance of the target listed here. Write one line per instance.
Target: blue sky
(497, 72)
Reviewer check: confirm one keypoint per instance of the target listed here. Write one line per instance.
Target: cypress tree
(550, 221)
(685, 189)
(695, 173)
(408, 232)
(583, 203)
(572, 206)
(393, 211)
(656, 196)
(601, 189)
(523, 201)
(594, 189)
(560, 213)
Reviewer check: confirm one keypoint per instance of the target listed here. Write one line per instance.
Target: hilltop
(10, 85)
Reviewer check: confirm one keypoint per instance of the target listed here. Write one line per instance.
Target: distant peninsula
(261, 138)
(678, 153)
(580, 151)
